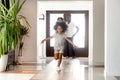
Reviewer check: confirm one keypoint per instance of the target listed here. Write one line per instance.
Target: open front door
(80, 19)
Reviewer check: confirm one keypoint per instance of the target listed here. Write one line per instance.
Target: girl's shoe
(58, 68)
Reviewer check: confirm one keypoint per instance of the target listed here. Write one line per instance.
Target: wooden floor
(71, 69)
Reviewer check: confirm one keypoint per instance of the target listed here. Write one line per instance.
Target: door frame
(86, 12)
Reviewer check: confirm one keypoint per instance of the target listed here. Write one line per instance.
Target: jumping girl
(60, 37)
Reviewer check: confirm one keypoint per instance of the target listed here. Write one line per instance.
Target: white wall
(30, 47)
(98, 33)
(112, 38)
(62, 5)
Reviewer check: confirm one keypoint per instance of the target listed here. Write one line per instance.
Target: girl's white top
(59, 40)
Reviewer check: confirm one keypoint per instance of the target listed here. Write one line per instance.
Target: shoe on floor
(58, 68)
(67, 56)
(73, 57)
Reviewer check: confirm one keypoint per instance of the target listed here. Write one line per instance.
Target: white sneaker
(58, 68)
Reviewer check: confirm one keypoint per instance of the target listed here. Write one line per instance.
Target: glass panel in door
(79, 20)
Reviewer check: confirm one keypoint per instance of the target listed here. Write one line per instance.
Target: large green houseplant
(11, 27)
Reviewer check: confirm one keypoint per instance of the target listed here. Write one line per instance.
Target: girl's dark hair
(59, 18)
(62, 24)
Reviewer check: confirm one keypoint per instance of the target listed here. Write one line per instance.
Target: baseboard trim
(29, 63)
(97, 64)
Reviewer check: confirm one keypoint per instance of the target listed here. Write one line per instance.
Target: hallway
(72, 69)
(103, 41)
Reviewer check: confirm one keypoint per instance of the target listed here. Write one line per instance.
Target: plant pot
(3, 62)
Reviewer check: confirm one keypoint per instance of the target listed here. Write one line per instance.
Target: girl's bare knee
(60, 59)
(56, 58)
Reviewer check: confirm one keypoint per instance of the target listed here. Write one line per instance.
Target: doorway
(80, 19)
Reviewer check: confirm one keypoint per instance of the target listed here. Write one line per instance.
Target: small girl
(60, 37)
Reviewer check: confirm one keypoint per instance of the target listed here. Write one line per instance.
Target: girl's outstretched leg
(56, 56)
(59, 60)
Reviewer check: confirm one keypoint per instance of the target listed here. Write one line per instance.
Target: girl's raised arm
(48, 38)
(71, 43)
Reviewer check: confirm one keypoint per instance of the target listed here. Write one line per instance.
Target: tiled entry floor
(72, 69)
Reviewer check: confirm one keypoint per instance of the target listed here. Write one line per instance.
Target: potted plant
(10, 29)
(24, 33)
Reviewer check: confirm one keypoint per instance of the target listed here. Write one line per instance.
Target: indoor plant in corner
(24, 33)
(10, 29)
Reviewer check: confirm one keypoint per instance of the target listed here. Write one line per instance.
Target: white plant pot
(3, 62)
